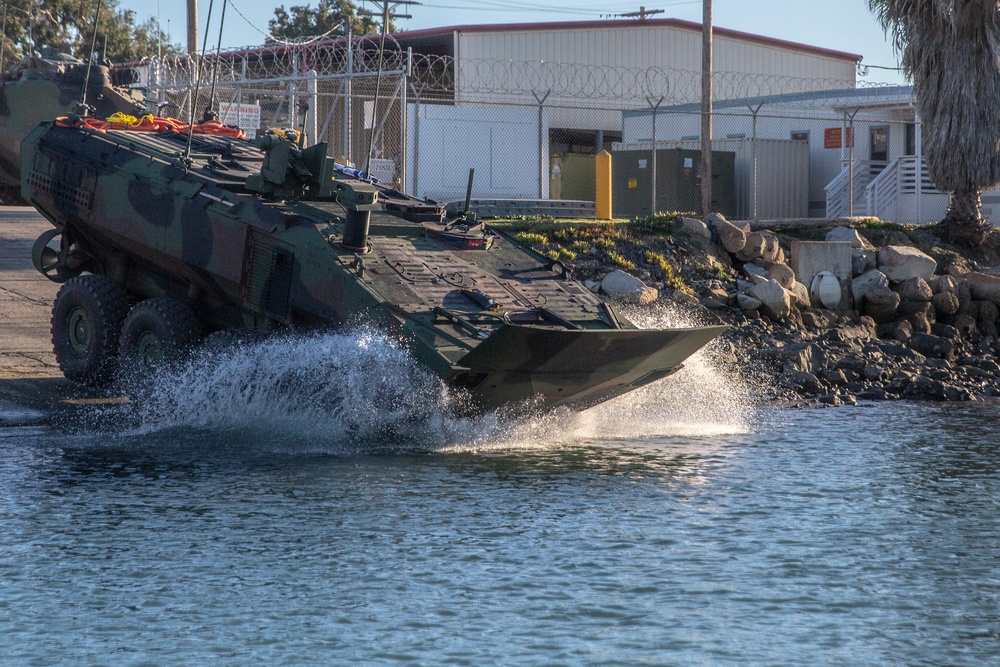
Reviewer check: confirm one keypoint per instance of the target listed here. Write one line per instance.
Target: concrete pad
(809, 258)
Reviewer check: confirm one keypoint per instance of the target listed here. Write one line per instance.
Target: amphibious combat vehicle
(41, 88)
(158, 249)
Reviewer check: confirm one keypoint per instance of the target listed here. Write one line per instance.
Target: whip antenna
(197, 82)
(215, 70)
(3, 39)
(90, 59)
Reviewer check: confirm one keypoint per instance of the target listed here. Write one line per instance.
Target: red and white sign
(244, 116)
(832, 137)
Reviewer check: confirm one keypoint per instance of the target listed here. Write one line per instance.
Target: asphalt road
(32, 388)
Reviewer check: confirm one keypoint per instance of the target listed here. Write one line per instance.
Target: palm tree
(951, 51)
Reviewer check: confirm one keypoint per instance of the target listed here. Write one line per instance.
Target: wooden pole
(706, 109)
(192, 26)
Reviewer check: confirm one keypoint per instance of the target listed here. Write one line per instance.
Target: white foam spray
(330, 391)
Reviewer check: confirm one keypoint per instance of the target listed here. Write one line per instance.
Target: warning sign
(832, 137)
(633, 182)
(244, 116)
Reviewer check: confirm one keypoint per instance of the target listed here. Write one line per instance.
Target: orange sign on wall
(832, 137)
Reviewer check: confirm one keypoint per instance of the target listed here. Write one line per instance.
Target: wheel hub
(149, 350)
(80, 331)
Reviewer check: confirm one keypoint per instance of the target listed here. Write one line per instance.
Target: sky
(843, 25)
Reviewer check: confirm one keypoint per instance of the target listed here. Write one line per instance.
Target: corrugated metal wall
(666, 47)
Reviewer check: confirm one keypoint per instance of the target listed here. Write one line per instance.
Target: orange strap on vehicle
(150, 123)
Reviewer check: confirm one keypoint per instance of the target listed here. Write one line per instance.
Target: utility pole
(641, 14)
(192, 27)
(706, 109)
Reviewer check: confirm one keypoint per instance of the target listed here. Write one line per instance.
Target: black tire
(87, 320)
(156, 334)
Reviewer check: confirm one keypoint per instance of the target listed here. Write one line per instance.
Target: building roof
(441, 39)
(846, 99)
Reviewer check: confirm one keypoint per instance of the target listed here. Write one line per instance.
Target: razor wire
(443, 77)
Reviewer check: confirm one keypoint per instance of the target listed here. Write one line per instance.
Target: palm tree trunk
(964, 222)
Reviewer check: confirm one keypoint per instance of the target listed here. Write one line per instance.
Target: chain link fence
(782, 146)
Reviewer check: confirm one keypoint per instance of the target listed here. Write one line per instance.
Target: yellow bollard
(602, 200)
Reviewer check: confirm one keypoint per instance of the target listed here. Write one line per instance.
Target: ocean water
(316, 502)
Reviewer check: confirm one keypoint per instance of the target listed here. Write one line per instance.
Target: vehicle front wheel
(86, 322)
(157, 333)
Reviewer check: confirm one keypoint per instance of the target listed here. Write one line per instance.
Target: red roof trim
(647, 23)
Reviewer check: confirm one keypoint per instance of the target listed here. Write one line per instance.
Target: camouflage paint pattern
(254, 248)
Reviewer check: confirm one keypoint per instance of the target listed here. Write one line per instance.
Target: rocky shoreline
(909, 317)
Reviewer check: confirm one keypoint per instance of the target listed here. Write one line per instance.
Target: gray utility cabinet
(678, 182)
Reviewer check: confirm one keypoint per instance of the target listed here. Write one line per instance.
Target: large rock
(865, 283)
(621, 286)
(800, 295)
(798, 356)
(932, 346)
(772, 248)
(915, 289)
(754, 247)
(862, 260)
(747, 302)
(943, 284)
(880, 304)
(847, 234)
(945, 303)
(696, 227)
(899, 262)
(986, 290)
(775, 301)
(731, 237)
(782, 273)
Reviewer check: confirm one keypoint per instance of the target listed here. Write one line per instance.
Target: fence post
(652, 172)
(416, 142)
(311, 114)
(404, 121)
(849, 140)
(753, 148)
(348, 92)
(543, 169)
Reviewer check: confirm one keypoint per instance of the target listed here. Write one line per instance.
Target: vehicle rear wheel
(157, 333)
(86, 322)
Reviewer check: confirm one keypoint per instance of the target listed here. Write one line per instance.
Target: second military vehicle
(159, 245)
(42, 88)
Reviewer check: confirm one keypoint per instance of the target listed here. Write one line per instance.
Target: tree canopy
(302, 21)
(951, 51)
(67, 26)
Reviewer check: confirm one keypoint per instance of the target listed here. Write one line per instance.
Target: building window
(910, 141)
(800, 135)
(741, 135)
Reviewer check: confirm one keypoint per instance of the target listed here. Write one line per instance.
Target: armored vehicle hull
(156, 251)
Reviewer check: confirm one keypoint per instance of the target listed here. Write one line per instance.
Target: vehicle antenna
(209, 110)
(90, 59)
(3, 39)
(197, 83)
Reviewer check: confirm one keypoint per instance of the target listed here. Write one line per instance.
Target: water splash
(707, 397)
(363, 390)
(326, 388)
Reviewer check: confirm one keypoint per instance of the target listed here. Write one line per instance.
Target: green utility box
(573, 176)
(678, 181)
